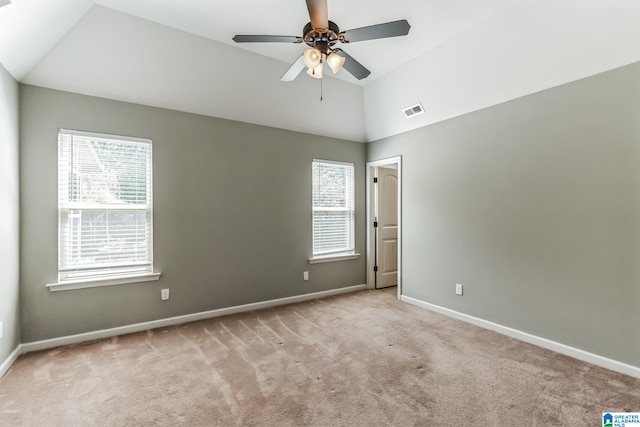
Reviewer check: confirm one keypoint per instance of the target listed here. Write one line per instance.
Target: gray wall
(534, 206)
(9, 215)
(232, 214)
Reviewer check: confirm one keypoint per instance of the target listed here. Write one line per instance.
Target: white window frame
(348, 253)
(102, 275)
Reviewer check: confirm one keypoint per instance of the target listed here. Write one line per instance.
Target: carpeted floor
(361, 359)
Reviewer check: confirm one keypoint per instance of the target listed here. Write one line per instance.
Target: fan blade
(294, 70)
(266, 39)
(319, 13)
(379, 31)
(355, 68)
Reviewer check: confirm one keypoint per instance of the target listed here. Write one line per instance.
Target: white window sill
(94, 283)
(332, 258)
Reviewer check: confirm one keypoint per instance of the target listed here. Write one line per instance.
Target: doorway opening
(384, 224)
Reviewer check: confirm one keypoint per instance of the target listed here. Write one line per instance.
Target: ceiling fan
(321, 37)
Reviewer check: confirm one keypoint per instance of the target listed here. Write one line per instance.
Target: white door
(387, 241)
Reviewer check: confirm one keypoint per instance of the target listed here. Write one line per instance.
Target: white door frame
(371, 200)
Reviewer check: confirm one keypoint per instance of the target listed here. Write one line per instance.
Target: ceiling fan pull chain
(321, 89)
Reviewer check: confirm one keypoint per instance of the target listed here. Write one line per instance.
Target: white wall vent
(414, 110)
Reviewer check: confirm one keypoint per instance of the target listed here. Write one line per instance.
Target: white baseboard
(576, 353)
(10, 360)
(138, 327)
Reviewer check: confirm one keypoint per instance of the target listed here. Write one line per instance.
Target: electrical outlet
(305, 275)
(458, 289)
(164, 294)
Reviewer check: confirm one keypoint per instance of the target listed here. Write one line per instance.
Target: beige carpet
(362, 359)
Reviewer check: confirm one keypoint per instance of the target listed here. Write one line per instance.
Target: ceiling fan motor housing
(321, 38)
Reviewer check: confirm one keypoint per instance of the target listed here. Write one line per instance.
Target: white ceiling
(432, 23)
(460, 55)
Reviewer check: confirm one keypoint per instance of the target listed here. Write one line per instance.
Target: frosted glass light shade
(315, 72)
(312, 57)
(335, 62)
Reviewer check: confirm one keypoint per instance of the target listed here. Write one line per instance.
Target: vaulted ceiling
(460, 56)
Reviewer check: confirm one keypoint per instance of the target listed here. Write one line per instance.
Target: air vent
(414, 110)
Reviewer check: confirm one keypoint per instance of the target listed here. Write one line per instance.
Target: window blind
(333, 207)
(104, 205)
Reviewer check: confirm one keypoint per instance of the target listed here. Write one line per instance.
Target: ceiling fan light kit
(321, 35)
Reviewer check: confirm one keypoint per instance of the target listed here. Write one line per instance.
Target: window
(333, 208)
(104, 207)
